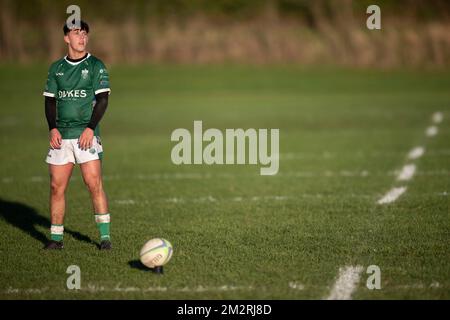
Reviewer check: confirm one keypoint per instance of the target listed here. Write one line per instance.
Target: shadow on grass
(27, 219)
(137, 264)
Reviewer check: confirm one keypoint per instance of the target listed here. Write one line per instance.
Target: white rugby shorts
(71, 152)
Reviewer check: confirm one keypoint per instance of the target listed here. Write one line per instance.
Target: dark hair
(83, 26)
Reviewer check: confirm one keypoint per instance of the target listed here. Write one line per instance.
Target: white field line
(432, 173)
(234, 199)
(292, 174)
(118, 288)
(212, 199)
(307, 155)
(38, 179)
(437, 117)
(26, 290)
(407, 172)
(125, 202)
(416, 153)
(296, 285)
(353, 154)
(392, 195)
(346, 283)
(432, 285)
(431, 131)
(326, 174)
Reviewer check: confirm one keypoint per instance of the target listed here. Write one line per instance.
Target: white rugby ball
(156, 252)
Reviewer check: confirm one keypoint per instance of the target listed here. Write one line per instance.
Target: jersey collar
(78, 62)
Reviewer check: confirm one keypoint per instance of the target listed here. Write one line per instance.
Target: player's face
(77, 39)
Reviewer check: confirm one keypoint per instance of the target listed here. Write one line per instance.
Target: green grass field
(344, 135)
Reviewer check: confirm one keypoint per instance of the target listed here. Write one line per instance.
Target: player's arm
(97, 114)
(51, 88)
(99, 109)
(101, 90)
(50, 114)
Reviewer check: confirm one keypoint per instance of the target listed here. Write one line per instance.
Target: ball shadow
(137, 264)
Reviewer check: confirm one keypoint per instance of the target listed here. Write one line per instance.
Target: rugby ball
(156, 252)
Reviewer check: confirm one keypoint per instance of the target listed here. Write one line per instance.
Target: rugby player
(76, 97)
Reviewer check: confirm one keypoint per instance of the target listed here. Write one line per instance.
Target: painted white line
(434, 173)
(346, 283)
(119, 288)
(407, 172)
(431, 131)
(287, 174)
(392, 195)
(354, 153)
(234, 199)
(278, 198)
(329, 174)
(211, 199)
(433, 285)
(25, 290)
(416, 153)
(304, 155)
(437, 117)
(174, 200)
(296, 285)
(205, 199)
(126, 201)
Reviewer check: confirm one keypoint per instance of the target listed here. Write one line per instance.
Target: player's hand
(55, 139)
(86, 138)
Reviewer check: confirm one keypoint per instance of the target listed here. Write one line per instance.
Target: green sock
(103, 223)
(57, 232)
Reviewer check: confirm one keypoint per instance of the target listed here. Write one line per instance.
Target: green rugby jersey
(74, 85)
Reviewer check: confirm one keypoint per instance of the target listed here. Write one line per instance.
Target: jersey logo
(84, 73)
(72, 94)
(59, 73)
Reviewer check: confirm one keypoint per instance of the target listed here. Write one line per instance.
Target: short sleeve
(101, 78)
(51, 87)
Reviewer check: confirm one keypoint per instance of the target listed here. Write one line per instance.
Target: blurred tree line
(414, 32)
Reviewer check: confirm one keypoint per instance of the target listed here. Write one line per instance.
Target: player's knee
(95, 186)
(57, 189)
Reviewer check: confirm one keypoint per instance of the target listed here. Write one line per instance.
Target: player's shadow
(27, 219)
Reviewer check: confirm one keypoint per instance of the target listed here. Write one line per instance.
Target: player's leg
(59, 179)
(92, 176)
